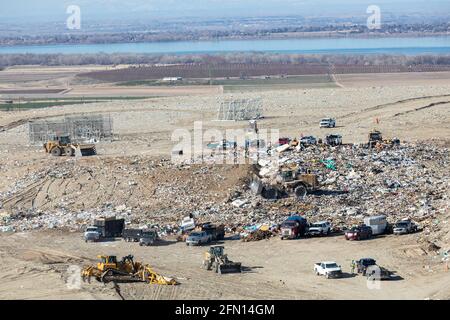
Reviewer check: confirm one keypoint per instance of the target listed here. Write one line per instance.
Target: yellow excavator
(126, 270)
(62, 145)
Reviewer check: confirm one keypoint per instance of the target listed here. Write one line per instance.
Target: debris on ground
(401, 181)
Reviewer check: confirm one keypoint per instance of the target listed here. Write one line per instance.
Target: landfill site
(351, 201)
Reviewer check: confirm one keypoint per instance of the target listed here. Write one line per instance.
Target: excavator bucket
(230, 267)
(86, 150)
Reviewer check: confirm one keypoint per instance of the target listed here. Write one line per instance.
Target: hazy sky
(22, 11)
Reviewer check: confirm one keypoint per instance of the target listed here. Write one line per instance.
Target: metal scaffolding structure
(240, 109)
(90, 128)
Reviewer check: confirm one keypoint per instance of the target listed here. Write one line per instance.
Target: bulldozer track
(28, 194)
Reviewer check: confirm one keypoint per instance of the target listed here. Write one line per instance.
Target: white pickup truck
(329, 269)
(327, 123)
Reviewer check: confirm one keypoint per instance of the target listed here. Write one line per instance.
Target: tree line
(7, 60)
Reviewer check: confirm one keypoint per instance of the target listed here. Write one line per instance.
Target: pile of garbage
(258, 235)
(404, 181)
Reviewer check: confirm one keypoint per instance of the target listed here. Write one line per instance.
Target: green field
(251, 84)
(53, 102)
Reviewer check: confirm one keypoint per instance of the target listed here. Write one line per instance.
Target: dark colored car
(358, 233)
(363, 264)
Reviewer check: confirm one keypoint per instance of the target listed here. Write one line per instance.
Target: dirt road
(40, 264)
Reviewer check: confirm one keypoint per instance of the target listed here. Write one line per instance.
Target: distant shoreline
(95, 39)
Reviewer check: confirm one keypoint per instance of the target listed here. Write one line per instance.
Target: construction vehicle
(216, 260)
(104, 228)
(126, 270)
(293, 227)
(217, 232)
(62, 145)
(376, 140)
(288, 182)
(333, 140)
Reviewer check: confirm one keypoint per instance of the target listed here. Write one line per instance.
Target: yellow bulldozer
(376, 140)
(126, 270)
(62, 145)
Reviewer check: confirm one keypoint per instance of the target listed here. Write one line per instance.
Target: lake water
(407, 46)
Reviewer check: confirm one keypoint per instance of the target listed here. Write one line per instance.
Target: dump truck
(217, 232)
(131, 235)
(126, 270)
(104, 228)
(215, 259)
(293, 227)
(289, 182)
(62, 145)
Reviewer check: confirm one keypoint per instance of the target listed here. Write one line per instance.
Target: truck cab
(320, 228)
(293, 227)
(92, 233)
(404, 227)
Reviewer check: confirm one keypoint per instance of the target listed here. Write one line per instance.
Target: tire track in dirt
(422, 108)
(390, 104)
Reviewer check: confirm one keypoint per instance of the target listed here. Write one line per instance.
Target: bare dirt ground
(33, 264)
(393, 79)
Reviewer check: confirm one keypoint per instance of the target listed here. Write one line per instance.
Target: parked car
(333, 139)
(293, 227)
(363, 263)
(329, 269)
(198, 238)
(404, 227)
(148, 237)
(376, 272)
(319, 228)
(327, 123)
(368, 267)
(359, 233)
(283, 141)
(308, 140)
